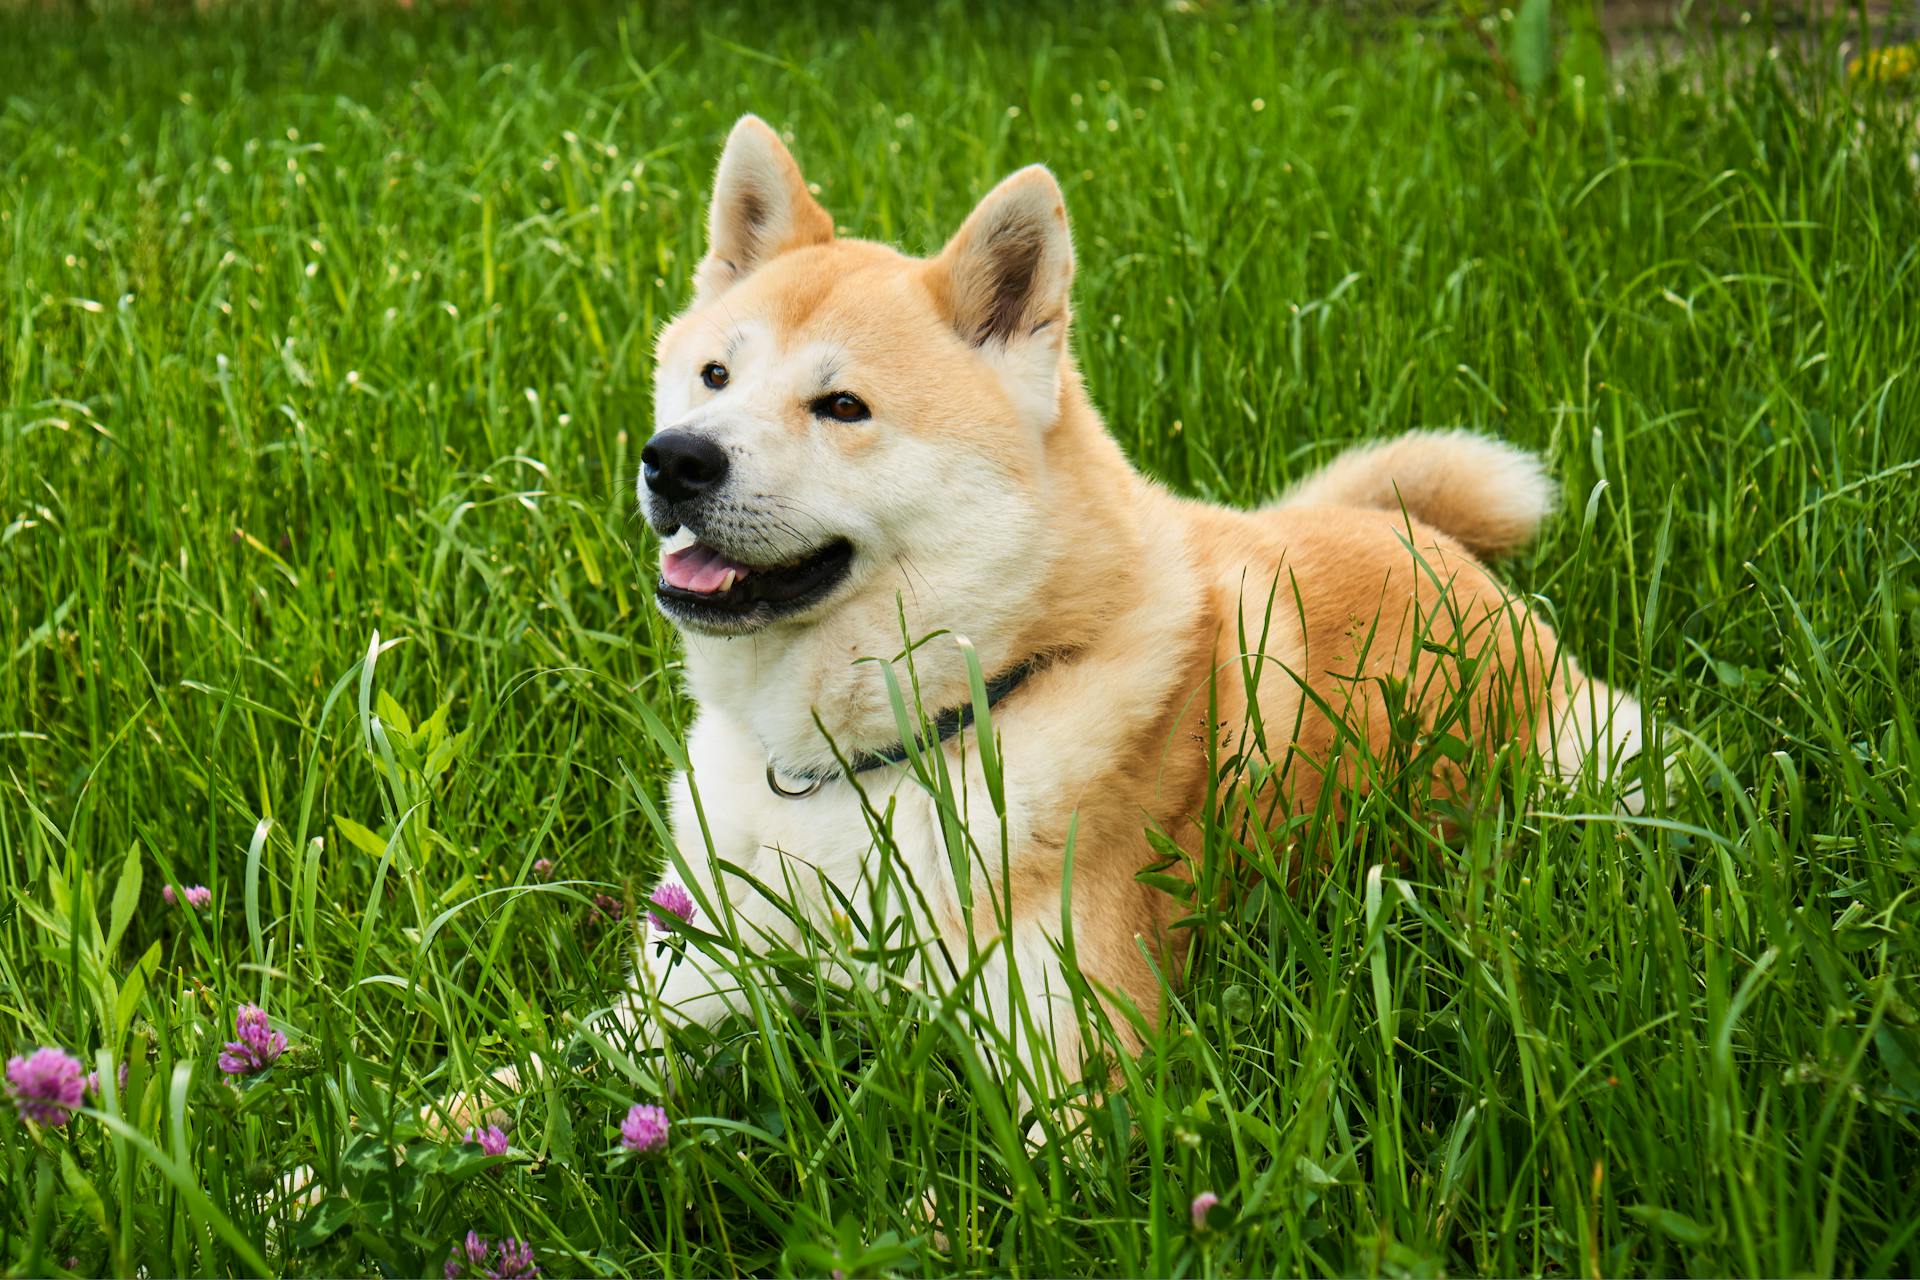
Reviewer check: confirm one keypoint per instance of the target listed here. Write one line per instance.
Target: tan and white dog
(849, 437)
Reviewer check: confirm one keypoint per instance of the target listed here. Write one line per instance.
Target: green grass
(317, 326)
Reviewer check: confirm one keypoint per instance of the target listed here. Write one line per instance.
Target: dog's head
(840, 426)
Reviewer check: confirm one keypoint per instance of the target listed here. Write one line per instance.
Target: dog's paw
(455, 1114)
(298, 1190)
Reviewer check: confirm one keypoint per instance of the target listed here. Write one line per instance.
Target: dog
(869, 465)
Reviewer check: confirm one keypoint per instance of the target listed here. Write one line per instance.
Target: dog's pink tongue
(700, 568)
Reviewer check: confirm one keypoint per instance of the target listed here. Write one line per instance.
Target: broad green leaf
(131, 989)
(126, 897)
(391, 714)
(360, 837)
(322, 1220)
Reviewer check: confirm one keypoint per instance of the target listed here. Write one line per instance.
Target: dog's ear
(761, 208)
(1005, 276)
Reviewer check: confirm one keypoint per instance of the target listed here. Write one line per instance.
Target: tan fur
(1489, 497)
(986, 499)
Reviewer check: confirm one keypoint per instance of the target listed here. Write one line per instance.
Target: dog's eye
(714, 375)
(842, 406)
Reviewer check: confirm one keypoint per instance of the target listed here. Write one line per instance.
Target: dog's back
(1375, 593)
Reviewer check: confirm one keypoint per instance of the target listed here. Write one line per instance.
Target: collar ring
(773, 785)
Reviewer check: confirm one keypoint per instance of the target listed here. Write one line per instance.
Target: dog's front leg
(681, 980)
(679, 984)
(1032, 1028)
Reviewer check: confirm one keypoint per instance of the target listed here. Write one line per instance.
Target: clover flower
(670, 900)
(258, 1045)
(512, 1259)
(515, 1261)
(543, 867)
(470, 1253)
(198, 896)
(644, 1131)
(1202, 1203)
(93, 1080)
(492, 1140)
(46, 1085)
(606, 909)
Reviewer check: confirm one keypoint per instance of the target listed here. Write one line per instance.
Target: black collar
(945, 725)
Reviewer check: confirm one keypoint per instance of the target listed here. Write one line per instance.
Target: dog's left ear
(761, 208)
(1005, 275)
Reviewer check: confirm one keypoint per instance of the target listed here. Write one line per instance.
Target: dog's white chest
(802, 848)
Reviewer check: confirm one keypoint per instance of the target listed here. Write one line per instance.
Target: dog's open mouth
(703, 586)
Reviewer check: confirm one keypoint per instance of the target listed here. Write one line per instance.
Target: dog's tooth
(680, 541)
(727, 580)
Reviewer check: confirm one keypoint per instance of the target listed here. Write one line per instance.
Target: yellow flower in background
(1895, 62)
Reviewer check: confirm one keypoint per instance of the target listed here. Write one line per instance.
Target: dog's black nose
(679, 465)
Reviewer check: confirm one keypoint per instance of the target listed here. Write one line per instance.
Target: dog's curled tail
(1489, 496)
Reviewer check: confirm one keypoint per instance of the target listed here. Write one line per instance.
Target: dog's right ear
(761, 208)
(1004, 282)
(1005, 275)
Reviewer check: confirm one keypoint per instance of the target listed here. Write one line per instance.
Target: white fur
(1591, 734)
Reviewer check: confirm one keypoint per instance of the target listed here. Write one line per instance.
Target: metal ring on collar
(773, 785)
